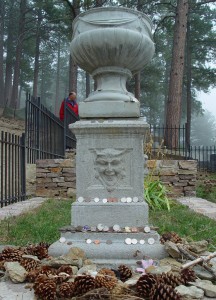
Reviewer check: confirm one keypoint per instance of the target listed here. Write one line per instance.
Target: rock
(87, 269)
(198, 247)
(191, 292)
(207, 286)
(161, 269)
(133, 280)
(75, 253)
(75, 270)
(172, 249)
(57, 262)
(11, 291)
(87, 262)
(15, 271)
(202, 273)
(168, 261)
(31, 256)
(71, 192)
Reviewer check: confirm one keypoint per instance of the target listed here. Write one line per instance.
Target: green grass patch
(186, 223)
(41, 224)
(206, 186)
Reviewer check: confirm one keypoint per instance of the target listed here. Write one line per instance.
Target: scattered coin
(135, 199)
(62, 240)
(116, 227)
(96, 199)
(88, 241)
(80, 199)
(134, 241)
(142, 242)
(151, 241)
(128, 241)
(147, 229)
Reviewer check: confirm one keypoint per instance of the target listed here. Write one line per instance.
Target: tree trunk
(57, 97)
(10, 55)
(1, 53)
(189, 99)
(173, 115)
(37, 54)
(73, 76)
(14, 94)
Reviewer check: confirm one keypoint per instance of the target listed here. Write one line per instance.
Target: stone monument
(110, 216)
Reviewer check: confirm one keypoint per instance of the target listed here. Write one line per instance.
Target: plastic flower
(145, 265)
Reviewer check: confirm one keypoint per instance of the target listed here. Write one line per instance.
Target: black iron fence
(12, 166)
(46, 135)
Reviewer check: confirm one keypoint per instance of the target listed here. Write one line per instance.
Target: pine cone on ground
(39, 250)
(125, 272)
(45, 288)
(170, 236)
(29, 264)
(106, 278)
(145, 284)
(171, 279)
(83, 284)
(164, 292)
(32, 275)
(188, 275)
(64, 273)
(11, 254)
(66, 290)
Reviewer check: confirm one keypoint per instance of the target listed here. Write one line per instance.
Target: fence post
(23, 166)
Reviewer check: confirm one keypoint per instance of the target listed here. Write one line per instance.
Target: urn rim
(113, 8)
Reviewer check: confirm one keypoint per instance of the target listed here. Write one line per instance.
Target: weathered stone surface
(58, 179)
(172, 249)
(188, 164)
(191, 292)
(15, 271)
(198, 247)
(207, 286)
(67, 163)
(71, 192)
(88, 269)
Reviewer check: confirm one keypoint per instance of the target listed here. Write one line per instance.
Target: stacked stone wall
(179, 176)
(55, 178)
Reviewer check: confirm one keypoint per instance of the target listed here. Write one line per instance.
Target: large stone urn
(112, 44)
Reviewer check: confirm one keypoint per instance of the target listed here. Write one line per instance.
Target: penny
(151, 241)
(134, 229)
(97, 242)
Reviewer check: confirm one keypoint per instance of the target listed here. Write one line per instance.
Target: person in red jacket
(70, 101)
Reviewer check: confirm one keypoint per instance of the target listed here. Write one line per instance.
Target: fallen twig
(195, 261)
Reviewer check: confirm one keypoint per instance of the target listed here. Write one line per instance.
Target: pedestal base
(110, 109)
(111, 249)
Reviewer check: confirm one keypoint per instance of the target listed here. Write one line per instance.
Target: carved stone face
(109, 165)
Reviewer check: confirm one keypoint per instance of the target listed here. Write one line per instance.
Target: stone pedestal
(110, 216)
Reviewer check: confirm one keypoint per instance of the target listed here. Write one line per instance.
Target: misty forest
(35, 38)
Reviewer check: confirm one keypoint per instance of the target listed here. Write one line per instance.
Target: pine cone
(164, 292)
(45, 288)
(66, 290)
(170, 236)
(188, 275)
(145, 284)
(64, 273)
(83, 284)
(106, 278)
(125, 272)
(47, 270)
(29, 264)
(39, 250)
(11, 254)
(171, 279)
(32, 275)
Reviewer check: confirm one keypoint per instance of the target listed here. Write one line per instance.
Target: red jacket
(72, 105)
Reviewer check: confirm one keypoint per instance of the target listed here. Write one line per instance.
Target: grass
(43, 224)
(206, 186)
